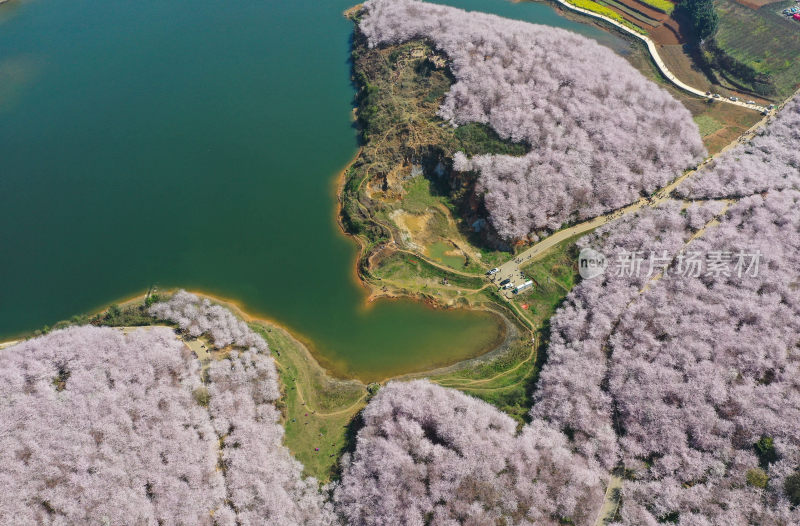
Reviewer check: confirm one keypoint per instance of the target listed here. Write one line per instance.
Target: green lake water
(194, 144)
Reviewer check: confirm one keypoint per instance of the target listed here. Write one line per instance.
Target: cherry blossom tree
(101, 426)
(769, 161)
(199, 316)
(430, 455)
(600, 134)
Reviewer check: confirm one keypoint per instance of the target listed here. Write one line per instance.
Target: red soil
(755, 4)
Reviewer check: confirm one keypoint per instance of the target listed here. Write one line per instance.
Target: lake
(195, 144)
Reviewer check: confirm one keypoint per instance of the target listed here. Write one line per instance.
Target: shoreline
(506, 333)
(496, 347)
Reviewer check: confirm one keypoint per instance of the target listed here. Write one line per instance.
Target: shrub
(757, 477)
(792, 488)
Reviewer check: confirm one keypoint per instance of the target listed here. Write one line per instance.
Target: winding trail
(651, 47)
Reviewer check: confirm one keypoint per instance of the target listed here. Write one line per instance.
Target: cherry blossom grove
(100, 426)
(600, 134)
(686, 377)
(770, 160)
(430, 455)
(704, 367)
(680, 374)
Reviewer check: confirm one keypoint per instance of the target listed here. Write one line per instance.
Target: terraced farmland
(763, 39)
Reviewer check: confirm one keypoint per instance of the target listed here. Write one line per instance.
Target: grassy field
(506, 382)
(763, 39)
(318, 410)
(509, 380)
(554, 275)
(707, 124)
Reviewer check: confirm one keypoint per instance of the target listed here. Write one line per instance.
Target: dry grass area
(679, 62)
(735, 121)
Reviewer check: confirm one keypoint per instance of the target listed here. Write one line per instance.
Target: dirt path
(653, 49)
(610, 504)
(352, 408)
(468, 384)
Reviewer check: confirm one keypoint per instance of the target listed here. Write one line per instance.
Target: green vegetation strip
(764, 41)
(707, 124)
(318, 410)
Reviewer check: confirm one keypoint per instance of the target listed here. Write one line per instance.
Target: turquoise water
(194, 144)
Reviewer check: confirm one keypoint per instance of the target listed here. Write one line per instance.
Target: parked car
(734, 99)
(493, 271)
(751, 102)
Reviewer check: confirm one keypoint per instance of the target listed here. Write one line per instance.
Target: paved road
(651, 46)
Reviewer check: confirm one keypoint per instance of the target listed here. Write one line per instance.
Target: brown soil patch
(669, 33)
(736, 119)
(756, 4)
(414, 227)
(683, 67)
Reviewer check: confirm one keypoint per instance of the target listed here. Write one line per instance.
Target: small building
(519, 288)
